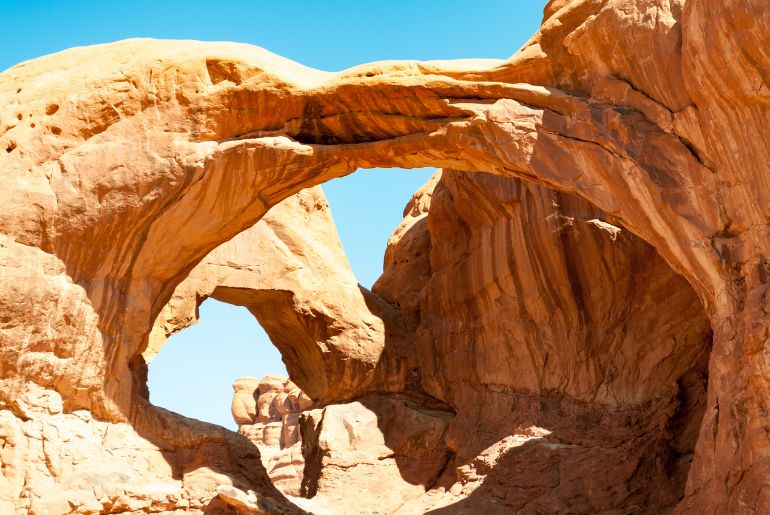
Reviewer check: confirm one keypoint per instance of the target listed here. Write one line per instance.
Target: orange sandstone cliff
(573, 317)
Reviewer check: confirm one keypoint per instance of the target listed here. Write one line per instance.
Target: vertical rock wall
(566, 346)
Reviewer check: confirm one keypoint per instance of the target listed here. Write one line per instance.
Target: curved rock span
(573, 317)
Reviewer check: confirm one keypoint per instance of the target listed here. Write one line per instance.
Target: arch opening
(217, 154)
(366, 207)
(496, 292)
(193, 372)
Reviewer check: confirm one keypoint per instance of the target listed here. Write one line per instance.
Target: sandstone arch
(158, 135)
(534, 323)
(523, 313)
(291, 272)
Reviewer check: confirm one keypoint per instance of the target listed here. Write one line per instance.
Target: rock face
(290, 271)
(267, 412)
(573, 357)
(371, 456)
(564, 337)
(387, 446)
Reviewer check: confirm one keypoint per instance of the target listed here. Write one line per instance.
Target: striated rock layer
(124, 165)
(290, 271)
(573, 357)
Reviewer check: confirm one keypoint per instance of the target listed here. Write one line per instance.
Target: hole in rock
(194, 370)
(594, 351)
(366, 207)
(578, 338)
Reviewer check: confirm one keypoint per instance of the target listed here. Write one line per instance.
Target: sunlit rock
(125, 165)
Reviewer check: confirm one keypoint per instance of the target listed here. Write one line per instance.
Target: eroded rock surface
(372, 455)
(267, 412)
(587, 393)
(536, 328)
(290, 271)
(125, 165)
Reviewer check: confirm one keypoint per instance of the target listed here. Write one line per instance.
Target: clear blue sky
(194, 371)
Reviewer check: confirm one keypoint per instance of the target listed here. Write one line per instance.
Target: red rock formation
(371, 456)
(593, 364)
(267, 413)
(567, 348)
(290, 272)
(126, 164)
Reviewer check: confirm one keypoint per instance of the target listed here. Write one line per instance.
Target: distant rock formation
(267, 413)
(595, 339)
